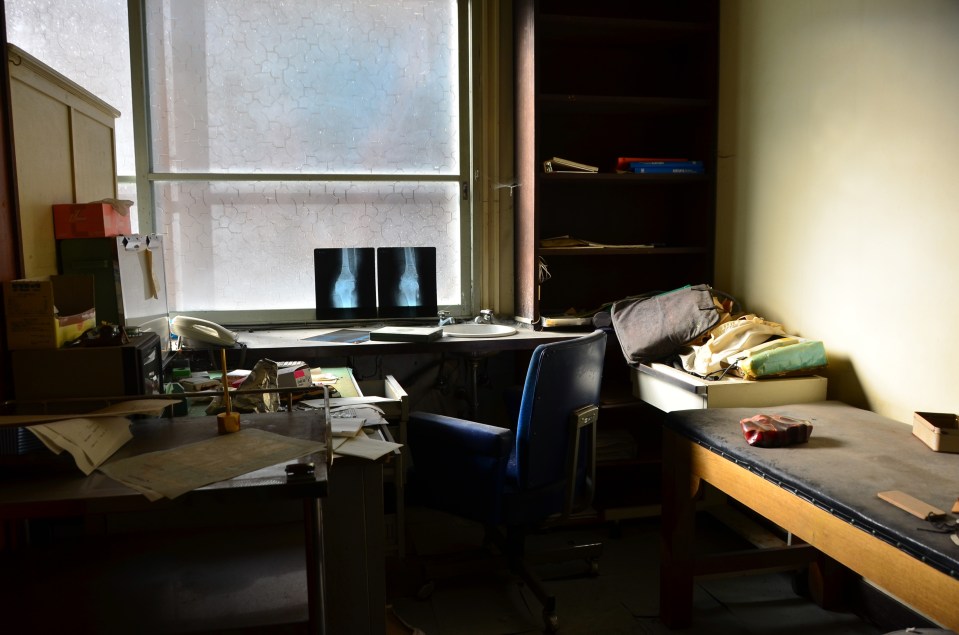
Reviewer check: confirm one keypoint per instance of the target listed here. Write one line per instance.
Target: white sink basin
(478, 330)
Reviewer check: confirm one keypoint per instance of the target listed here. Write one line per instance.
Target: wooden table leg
(312, 525)
(678, 526)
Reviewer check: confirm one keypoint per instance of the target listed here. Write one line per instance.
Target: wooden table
(823, 492)
(55, 492)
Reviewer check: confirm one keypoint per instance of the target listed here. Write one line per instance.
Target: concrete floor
(164, 585)
(622, 599)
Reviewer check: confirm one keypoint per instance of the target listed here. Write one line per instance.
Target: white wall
(838, 189)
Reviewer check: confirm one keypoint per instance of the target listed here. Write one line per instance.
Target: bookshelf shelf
(605, 104)
(621, 251)
(608, 177)
(580, 29)
(596, 82)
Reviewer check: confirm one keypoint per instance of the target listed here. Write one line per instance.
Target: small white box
(670, 389)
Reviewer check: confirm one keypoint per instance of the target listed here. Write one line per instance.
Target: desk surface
(824, 492)
(60, 492)
(852, 455)
(291, 340)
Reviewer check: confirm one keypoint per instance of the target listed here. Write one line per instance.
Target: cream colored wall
(838, 192)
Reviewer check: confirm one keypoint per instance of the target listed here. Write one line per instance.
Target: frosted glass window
(366, 92)
(275, 128)
(304, 86)
(245, 246)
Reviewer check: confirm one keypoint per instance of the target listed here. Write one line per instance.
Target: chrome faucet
(485, 317)
(446, 318)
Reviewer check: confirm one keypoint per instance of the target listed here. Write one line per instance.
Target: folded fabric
(799, 358)
(774, 431)
(728, 339)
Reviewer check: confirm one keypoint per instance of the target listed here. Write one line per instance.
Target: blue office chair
(524, 478)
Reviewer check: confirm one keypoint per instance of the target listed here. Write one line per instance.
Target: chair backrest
(562, 377)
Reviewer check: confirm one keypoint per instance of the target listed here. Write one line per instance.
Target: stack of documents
(349, 434)
(91, 438)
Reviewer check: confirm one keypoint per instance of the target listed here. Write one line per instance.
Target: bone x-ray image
(406, 281)
(345, 283)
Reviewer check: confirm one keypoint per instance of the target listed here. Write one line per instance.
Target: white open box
(938, 430)
(398, 406)
(670, 389)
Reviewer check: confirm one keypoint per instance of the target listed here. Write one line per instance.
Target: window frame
(146, 177)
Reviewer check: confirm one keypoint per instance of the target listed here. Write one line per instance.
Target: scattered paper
(89, 441)
(344, 401)
(170, 473)
(364, 447)
(122, 408)
(346, 426)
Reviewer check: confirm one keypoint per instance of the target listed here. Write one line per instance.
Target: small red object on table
(773, 431)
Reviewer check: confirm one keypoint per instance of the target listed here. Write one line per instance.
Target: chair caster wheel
(550, 622)
(426, 590)
(593, 567)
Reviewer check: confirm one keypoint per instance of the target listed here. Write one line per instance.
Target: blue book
(674, 165)
(666, 169)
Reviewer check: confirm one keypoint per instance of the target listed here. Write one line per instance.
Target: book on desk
(407, 334)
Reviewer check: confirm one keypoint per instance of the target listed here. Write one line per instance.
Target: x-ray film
(345, 283)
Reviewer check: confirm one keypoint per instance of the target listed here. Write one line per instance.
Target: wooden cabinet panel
(65, 152)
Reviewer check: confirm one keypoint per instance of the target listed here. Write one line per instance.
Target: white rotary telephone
(202, 331)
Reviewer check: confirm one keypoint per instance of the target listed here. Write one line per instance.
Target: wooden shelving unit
(595, 82)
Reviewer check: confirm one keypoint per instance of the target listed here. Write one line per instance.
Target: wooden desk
(824, 492)
(57, 493)
(297, 342)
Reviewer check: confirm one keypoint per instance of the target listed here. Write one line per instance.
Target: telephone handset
(202, 331)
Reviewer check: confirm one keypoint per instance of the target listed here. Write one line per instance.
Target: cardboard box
(293, 375)
(89, 220)
(938, 430)
(48, 312)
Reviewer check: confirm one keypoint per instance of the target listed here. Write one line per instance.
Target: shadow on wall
(844, 384)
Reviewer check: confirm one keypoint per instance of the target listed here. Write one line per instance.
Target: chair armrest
(458, 466)
(439, 433)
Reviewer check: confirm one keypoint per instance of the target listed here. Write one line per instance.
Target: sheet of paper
(368, 411)
(123, 408)
(372, 414)
(170, 473)
(346, 426)
(365, 447)
(344, 401)
(89, 441)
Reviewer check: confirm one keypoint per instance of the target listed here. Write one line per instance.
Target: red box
(89, 220)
